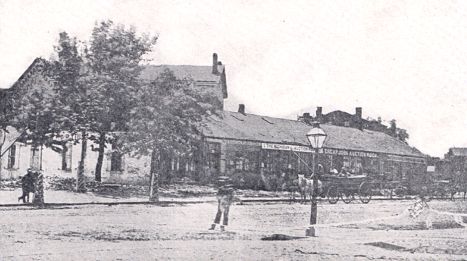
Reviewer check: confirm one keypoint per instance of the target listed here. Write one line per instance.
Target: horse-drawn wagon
(441, 189)
(346, 188)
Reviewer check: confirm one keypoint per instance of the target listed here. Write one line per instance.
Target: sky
(403, 60)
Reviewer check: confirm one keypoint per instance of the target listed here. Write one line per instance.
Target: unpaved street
(146, 232)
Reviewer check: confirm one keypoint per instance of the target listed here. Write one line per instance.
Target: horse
(460, 188)
(306, 186)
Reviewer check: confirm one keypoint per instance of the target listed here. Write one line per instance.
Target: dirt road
(144, 232)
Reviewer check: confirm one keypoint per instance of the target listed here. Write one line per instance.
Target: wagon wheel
(333, 194)
(453, 191)
(364, 192)
(400, 191)
(347, 196)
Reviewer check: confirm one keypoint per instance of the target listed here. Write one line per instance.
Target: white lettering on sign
(350, 153)
(272, 146)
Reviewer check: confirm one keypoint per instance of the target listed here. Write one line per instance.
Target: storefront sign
(350, 153)
(273, 146)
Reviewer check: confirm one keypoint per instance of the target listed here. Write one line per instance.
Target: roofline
(325, 124)
(222, 76)
(301, 144)
(26, 72)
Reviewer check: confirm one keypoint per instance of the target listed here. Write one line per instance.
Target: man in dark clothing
(27, 185)
(225, 198)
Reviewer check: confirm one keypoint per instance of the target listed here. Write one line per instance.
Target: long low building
(240, 142)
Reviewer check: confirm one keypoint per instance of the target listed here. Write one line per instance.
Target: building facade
(260, 151)
(18, 157)
(248, 144)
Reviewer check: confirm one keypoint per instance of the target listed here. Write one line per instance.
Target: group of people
(344, 172)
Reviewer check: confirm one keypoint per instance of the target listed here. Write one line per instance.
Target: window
(304, 162)
(115, 159)
(353, 164)
(239, 164)
(35, 158)
(66, 158)
(12, 157)
(213, 155)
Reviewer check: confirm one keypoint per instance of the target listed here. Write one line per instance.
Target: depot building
(247, 144)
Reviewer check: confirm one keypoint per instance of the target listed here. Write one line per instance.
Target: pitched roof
(458, 151)
(252, 127)
(197, 73)
(338, 114)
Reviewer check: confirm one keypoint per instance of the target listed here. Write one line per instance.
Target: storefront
(252, 145)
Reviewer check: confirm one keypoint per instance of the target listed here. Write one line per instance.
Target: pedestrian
(225, 195)
(27, 185)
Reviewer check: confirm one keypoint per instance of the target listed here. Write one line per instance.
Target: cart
(346, 188)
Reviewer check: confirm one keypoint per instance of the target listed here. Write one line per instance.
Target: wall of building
(252, 158)
(50, 162)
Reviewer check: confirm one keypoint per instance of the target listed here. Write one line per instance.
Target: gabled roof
(252, 127)
(202, 75)
(198, 73)
(338, 114)
(37, 64)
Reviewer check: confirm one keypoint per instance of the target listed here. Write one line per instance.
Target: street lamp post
(316, 137)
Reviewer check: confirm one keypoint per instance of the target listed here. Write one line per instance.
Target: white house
(18, 157)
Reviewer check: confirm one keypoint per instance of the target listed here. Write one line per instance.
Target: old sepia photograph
(233, 130)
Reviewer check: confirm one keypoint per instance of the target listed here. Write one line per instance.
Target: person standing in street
(225, 195)
(27, 185)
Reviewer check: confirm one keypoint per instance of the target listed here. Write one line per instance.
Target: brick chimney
(319, 114)
(358, 118)
(306, 118)
(358, 112)
(241, 108)
(214, 64)
(393, 128)
(220, 67)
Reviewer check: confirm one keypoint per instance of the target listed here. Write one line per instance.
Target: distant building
(456, 158)
(345, 119)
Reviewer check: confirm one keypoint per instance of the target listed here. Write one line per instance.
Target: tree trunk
(1, 157)
(39, 192)
(2, 141)
(154, 181)
(80, 179)
(100, 157)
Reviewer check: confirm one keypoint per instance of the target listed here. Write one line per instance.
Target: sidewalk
(9, 197)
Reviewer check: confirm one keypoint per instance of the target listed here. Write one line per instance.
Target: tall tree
(4, 122)
(166, 120)
(114, 61)
(396, 132)
(72, 98)
(34, 113)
